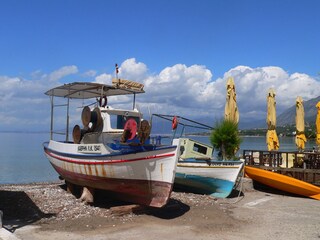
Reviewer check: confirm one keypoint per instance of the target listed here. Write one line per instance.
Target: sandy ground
(47, 211)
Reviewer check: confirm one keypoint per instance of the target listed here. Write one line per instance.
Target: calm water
(22, 159)
(259, 143)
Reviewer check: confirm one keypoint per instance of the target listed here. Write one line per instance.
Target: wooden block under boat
(127, 209)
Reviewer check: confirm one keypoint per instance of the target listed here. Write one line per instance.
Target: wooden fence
(301, 165)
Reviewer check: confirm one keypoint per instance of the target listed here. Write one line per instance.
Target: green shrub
(225, 138)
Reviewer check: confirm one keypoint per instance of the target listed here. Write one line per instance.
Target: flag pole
(117, 71)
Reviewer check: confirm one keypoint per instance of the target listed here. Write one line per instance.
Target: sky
(182, 51)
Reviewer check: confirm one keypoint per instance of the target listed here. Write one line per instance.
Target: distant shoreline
(155, 134)
(45, 183)
(32, 132)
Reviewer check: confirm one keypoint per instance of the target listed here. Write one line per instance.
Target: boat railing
(303, 165)
(88, 90)
(179, 125)
(53, 107)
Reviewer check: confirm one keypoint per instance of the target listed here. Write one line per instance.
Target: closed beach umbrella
(318, 123)
(272, 138)
(300, 136)
(231, 110)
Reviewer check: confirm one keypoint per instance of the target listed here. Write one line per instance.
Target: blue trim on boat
(194, 160)
(215, 187)
(134, 150)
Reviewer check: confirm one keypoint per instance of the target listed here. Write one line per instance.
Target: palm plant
(226, 139)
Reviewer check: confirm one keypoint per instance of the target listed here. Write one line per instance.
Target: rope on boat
(240, 183)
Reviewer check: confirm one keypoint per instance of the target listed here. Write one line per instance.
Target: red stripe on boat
(145, 192)
(111, 161)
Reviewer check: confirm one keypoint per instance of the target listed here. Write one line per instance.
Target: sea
(22, 159)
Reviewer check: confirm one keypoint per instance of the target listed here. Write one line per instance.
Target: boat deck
(304, 166)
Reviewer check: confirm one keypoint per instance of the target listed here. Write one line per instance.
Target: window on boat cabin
(118, 121)
(200, 149)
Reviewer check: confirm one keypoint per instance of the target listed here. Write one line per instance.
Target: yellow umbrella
(272, 138)
(318, 123)
(300, 136)
(231, 110)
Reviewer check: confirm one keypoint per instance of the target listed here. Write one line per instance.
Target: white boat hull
(216, 178)
(143, 176)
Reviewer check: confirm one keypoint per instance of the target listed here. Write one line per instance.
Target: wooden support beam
(70, 187)
(87, 195)
(127, 209)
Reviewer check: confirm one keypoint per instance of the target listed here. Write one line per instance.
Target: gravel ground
(50, 202)
(48, 211)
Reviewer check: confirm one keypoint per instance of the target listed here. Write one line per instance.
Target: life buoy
(174, 123)
(102, 101)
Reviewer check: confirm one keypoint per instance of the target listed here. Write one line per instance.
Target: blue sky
(196, 44)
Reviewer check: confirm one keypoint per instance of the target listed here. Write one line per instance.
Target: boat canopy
(86, 90)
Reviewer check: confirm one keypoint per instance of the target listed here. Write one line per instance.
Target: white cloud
(62, 72)
(179, 89)
(130, 69)
(252, 86)
(9, 83)
(90, 73)
(104, 78)
(24, 105)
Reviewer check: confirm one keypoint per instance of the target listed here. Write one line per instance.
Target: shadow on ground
(104, 199)
(173, 209)
(19, 210)
(264, 188)
(236, 193)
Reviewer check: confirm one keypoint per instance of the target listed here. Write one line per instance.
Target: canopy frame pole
(134, 100)
(51, 121)
(67, 129)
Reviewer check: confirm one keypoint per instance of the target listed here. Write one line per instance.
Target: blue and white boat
(111, 151)
(197, 172)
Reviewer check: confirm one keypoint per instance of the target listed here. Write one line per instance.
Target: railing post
(260, 158)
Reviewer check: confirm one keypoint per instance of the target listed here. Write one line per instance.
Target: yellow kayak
(282, 182)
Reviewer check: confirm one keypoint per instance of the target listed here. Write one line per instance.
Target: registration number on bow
(89, 148)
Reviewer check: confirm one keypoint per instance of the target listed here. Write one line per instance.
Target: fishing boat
(202, 174)
(111, 151)
(283, 183)
(197, 171)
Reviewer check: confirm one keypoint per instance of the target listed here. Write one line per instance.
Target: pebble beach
(48, 211)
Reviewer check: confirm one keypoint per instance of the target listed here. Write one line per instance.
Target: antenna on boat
(117, 71)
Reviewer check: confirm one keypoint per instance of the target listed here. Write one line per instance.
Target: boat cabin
(101, 123)
(114, 119)
(190, 148)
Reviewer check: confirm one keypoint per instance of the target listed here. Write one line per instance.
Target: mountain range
(310, 113)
